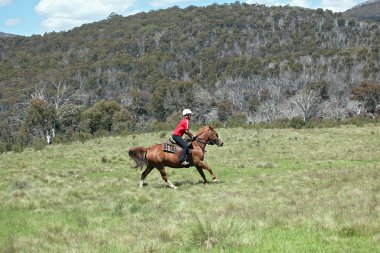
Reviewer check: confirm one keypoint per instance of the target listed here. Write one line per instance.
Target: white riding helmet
(186, 111)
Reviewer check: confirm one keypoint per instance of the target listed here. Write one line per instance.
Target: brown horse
(156, 157)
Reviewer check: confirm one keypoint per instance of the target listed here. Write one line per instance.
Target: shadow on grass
(182, 184)
(193, 183)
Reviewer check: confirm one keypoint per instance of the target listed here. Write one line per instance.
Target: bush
(281, 123)
(237, 120)
(39, 145)
(297, 122)
(216, 124)
(319, 123)
(17, 147)
(100, 117)
(3, 147)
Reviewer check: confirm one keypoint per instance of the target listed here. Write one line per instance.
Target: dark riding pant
(183, 144)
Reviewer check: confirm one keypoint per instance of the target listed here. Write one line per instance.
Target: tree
(140, 102)
(122, 120)
(40, 117)
(306, 101)
(253, 104)
(68, 117)
(369, 94)
(100, 116)
(157, 104)
(237, 120)
(224, 110)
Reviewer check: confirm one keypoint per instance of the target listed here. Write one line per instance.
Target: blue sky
(28, 17)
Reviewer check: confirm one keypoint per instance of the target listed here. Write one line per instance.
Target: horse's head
(213, 138)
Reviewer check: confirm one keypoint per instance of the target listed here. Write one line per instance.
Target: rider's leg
(183, 144)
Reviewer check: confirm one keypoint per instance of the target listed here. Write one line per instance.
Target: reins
(204, 142)
(198, 140)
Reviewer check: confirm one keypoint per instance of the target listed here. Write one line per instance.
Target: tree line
(231, 64)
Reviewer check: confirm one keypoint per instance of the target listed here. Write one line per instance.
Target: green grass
(308, 190)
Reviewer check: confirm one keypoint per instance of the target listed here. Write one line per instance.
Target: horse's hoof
(215, 180)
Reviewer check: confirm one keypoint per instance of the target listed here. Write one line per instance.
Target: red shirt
(182, 127)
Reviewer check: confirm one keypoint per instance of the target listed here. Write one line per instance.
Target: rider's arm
(187, 132)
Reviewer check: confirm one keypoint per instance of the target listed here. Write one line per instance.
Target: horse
(156, 157)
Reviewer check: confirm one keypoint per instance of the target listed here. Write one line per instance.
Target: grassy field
(309, 190)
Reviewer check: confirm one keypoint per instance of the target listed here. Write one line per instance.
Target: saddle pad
(169, 148)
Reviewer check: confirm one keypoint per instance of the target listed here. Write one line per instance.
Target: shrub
(3, 147)
(18, 147)
(204, 234)
(39, 145)
(281, 123)
(297, 122)
(216, 124)
(237, 120)
(101, 116)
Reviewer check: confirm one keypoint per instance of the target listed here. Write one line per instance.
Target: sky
(33, 17)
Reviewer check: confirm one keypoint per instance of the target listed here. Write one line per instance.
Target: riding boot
(185, 163)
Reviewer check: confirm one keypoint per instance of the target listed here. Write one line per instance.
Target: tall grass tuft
(21, 184)
(209, 234)
(118, 210)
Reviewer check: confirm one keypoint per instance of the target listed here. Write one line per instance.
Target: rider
(183, 128)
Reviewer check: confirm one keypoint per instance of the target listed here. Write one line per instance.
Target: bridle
(205, 141)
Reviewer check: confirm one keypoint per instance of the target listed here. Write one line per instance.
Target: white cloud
(300, 3)
(268, 2)
(12, 22)
(337, 5)
(162, 3)
(66, 14)
(5, 2)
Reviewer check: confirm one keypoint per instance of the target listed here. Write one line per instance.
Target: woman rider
(183, 128)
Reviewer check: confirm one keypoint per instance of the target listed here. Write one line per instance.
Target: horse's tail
(138, 154)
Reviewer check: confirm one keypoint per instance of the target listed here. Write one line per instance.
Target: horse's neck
(204, 135)
(203, 138)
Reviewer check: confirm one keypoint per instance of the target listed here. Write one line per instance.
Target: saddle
(171, 146)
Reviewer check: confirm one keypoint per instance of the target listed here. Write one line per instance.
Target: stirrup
(185, 163)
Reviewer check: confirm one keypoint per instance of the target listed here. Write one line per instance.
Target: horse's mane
(204, 128)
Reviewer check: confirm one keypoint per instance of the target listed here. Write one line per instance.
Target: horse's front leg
(205, 166)
(164, 176)
(200, 171)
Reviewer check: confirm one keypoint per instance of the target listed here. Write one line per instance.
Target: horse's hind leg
(164, 176)
(145, 173)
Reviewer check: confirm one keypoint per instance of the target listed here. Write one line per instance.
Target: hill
(3, 35)
(369, 10)
(231, 63)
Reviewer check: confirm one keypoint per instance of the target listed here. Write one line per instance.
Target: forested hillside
(240, 62)
(6, 35)
(369, 10)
